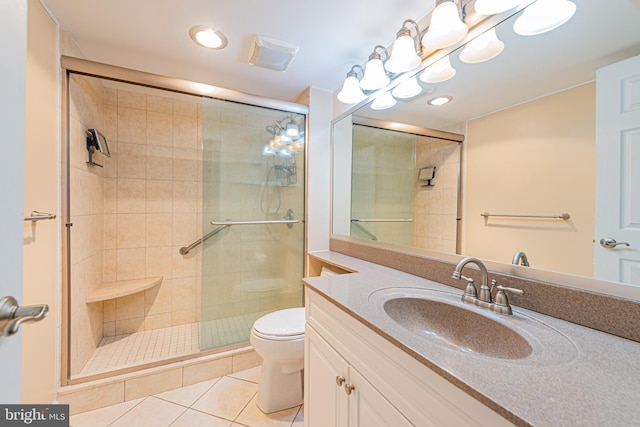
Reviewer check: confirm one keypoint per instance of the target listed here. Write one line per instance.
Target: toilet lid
(283, 323)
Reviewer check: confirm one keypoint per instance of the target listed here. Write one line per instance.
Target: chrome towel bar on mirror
(564, 216)
(37, 216)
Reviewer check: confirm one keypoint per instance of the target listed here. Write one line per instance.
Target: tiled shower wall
(435, 208)
(152, 200)
(86, 183)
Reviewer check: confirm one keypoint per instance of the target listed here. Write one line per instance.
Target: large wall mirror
(521, 137)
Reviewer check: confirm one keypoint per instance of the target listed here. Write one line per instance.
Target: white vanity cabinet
(390, 388)
(340, 395)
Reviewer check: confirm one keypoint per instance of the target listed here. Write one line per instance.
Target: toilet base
(280, 386)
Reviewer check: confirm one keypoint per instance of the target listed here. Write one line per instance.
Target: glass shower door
(253, 195)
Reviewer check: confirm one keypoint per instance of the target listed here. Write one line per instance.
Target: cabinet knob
(340, 380)
(348, 388)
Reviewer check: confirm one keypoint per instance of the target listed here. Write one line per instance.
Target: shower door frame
(71, 65)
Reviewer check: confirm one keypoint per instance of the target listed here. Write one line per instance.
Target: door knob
(12, 315)
(609, 243)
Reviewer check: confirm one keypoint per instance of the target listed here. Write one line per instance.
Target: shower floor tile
(123, 351)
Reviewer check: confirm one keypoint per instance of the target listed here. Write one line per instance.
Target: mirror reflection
(531, 124)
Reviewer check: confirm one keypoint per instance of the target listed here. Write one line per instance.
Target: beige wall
(41, 243)
(536, 158)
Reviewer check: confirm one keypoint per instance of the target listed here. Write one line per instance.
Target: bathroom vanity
(370, 362)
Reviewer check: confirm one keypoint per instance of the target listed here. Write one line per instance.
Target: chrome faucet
(520, 258)
(484, 299)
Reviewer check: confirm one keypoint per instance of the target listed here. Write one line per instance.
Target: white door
(13, 45)
(618, 172)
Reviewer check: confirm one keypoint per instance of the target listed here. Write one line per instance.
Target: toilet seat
(281, 325)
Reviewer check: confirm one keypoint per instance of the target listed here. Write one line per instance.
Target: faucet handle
(501, 299)
(470, 290)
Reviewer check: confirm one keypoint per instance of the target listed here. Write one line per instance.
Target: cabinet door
(368, 408)
(325, 403)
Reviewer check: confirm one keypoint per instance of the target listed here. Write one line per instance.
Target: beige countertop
(575, 376)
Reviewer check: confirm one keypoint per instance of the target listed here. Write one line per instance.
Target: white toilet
(278, 338)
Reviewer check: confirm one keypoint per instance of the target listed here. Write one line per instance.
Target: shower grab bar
(37, 216)
(186, 249)
(564, 216)
(382, 220)
(364, 230)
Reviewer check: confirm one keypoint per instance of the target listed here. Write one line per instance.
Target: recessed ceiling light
(441, 100)
(208, 37)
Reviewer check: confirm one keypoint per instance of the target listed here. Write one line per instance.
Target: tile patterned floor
(229, 401)
(126, 350)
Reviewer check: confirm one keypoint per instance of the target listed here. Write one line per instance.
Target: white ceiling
(153, 36)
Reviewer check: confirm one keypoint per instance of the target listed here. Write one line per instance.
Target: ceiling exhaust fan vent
(271, 53)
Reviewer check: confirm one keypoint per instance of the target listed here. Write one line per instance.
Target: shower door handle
(12, 315)
(288, 220)
(274, 221)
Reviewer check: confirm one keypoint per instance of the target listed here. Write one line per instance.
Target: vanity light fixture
(493, 7)
(208, 37)
(384, 101)
(440, 100)
(404, 53)
(446, 27)
(375, 77)
(351, 92)
(407, 89)
(544, 15)
(438, 72)
(482, 48)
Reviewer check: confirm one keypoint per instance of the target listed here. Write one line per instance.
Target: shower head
(96, 141)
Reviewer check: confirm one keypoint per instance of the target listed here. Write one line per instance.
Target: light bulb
(351, 92)
(543, 16)
(284, 152)
(384, 101)
(482, 48)
(493, 7)
(207, 37)
(374, 75)
(267, 151)
(403, 54)
(446, 27)
(292, 130)
(441, 100)
(438, 72)
(407, 89)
